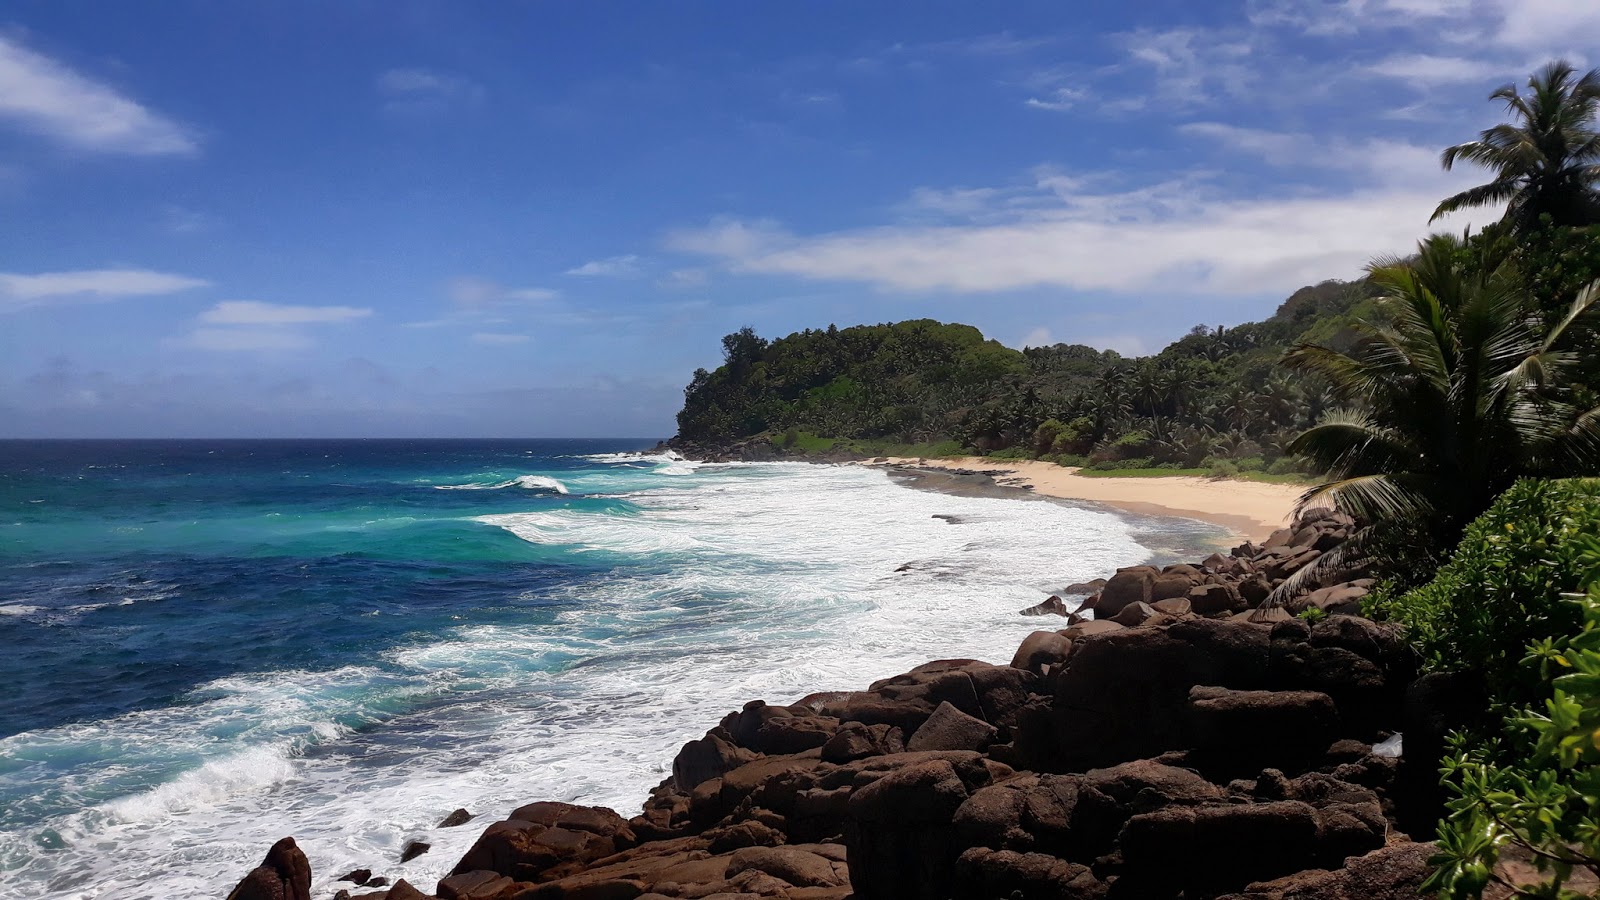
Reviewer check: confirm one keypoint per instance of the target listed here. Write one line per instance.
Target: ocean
(210, 645)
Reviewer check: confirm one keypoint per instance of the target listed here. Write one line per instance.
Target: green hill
(1216, 398)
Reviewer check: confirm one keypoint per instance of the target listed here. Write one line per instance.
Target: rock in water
(414, 850)
(459, 817)
(358, 877)
(1052, 607)
(283, 875)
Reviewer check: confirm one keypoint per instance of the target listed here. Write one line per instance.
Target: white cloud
(244, 340)
(45, 97)
(611, 266)
(252, 312)
(1549, 26)
(1426, 70)
(498, 338)
(470, 293)
(93, 285)
(1193, 65)
(1059, 100)
(1130, 241)
(419, 91)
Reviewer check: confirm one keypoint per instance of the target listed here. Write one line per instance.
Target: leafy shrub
(1112, 465)
(1313, 614)
(1285, 465)
(1017, 452)
(1223, 468)
(1501, 590)
(1543, 802)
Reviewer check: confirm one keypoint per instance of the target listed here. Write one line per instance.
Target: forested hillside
(1216, 398)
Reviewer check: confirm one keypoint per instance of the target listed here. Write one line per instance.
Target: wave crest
(526, 482)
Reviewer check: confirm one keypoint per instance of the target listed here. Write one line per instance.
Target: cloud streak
(45, 97)
(253, 312)
(88, 286)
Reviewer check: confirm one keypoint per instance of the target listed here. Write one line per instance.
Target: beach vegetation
(1532, 791)
(1546, 162)
(1461, 390)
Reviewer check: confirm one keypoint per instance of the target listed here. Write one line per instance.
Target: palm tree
(1467, 390)
(1548, 161)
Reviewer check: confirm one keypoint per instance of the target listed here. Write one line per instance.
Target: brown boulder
(1175, 606)
(901, 846)
(1133, 615)
(1130, 585)
(1084, 629)
(854, 741)
(283, 875)
(459, 817)
(799, 866)
(1210, 599)
(1242, 731)
(951, 729)
(1041, 649)
(1215, 848)
(982, 872)
(475, 886)
(1175, 584)
(542, 836)
(707, 758)
(1395, 872)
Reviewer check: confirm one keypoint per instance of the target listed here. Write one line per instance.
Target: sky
(471, 219)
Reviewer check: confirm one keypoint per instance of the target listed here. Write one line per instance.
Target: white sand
(1250, 509)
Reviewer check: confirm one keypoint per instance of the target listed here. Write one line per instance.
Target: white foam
(760, 580)
(526, 482)
(19, 609)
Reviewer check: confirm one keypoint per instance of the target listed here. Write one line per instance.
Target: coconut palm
(1465, 391)
(1548, 160)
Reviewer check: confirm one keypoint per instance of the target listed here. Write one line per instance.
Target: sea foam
(730, 582)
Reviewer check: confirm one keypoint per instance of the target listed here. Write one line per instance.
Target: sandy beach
(1250, 509)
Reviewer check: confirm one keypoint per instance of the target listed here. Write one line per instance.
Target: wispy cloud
(469, 293)
(254, 312)
(1426, 70)
(250, 326)
(88, 286)
(419, 91)
(1185, 238)
(44, 96)
(1059, 100)
(495, 338)
(611, 266)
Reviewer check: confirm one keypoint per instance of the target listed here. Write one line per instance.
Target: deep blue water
(152, 567)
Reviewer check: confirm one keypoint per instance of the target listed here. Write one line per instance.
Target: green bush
(1223, 468)
(1285, 465)
(1542, 801)
(1017, 452)
(1502, 589)
(1112, 465)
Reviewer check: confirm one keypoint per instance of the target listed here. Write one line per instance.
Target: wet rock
(283, 875)
(540, 837)
(357, 877)
(414, 849)
(707, 758)
(459, 817)
(1054, 606)
(1085, 587)
(403, 890)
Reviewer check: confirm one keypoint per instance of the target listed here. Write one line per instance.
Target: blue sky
(536, 219)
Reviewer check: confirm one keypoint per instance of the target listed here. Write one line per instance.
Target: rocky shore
(1186, 741)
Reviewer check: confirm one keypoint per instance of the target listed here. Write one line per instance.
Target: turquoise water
(214, 644)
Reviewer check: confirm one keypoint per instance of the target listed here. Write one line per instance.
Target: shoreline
(1250, 510)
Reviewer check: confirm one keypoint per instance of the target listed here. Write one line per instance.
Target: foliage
(1542, 803)
(1547, 162)
(1215, 394)
(1465, 390)
(1501, 591)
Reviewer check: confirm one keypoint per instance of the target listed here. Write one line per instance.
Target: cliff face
(1188, 755)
